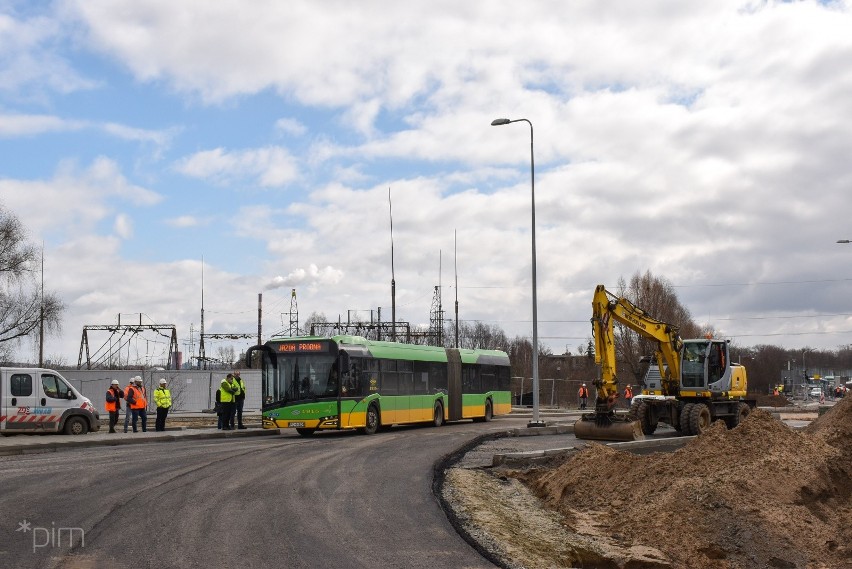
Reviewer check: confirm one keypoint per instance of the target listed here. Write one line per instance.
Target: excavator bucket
(607, 428)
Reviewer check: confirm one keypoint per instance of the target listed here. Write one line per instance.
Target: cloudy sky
(707, 142)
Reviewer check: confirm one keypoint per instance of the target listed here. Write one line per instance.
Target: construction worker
(628, 394)
(227, 390)
(131, 385)
(240, 399)
(113, 403)
(163, 399)
(583, 394)
(139, 407)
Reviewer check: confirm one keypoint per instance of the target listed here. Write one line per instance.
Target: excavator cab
(707, 371)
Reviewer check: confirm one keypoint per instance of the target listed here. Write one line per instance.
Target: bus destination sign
(301, 347)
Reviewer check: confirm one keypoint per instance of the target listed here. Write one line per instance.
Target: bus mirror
(344, 362)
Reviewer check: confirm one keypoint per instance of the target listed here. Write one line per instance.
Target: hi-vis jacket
(113, 399)
(227, 391)
(163, 397)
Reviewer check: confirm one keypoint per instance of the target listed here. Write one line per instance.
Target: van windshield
(55, 388)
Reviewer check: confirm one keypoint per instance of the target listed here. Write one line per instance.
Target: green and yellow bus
(348, 382)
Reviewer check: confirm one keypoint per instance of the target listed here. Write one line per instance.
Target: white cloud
(291, 126)
(80, 198)
(310, 276)
(123, 226)
(183, 221)
(269, 167)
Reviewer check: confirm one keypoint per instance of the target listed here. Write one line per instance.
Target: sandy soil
(760, 495)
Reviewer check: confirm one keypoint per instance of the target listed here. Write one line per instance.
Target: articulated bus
(348, 382)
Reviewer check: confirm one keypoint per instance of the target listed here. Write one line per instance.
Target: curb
(38, 448)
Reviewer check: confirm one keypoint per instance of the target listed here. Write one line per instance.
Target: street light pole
(536, 422)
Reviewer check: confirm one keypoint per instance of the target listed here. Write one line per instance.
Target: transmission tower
(127, 333)
(436, 319)
(294, 315)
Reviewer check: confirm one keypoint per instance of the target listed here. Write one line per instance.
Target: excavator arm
(607, 309)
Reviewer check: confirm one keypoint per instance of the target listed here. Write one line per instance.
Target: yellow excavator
(698, 382)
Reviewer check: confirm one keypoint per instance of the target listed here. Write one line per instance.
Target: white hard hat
(114, 382)
(584, 385)
(162, 380)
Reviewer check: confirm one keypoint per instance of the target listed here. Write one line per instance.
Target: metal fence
(192, 390)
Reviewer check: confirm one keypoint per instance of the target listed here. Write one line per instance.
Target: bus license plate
(296, 424)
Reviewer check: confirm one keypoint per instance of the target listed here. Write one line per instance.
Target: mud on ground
(760, 495)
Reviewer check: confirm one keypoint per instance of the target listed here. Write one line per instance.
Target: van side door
(20, 393)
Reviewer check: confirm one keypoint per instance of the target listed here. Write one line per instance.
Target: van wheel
(438, 417)
(372, 421)
(76, 426)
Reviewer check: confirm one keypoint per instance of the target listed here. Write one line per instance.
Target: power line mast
(128, 332)
(294, 315)
(436, 319)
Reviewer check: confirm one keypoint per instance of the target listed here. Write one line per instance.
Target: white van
(34, 400)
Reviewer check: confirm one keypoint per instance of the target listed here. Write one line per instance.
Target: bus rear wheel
(372, 421)
(489, 413)
(438, 418)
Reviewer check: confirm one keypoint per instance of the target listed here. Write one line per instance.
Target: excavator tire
(644, 416)
(685, 428)
(590, 428)
(699, 418)
(739, 416)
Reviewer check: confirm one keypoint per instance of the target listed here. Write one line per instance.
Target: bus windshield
(300, 378)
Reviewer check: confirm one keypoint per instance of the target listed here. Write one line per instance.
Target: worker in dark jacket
(240, 399)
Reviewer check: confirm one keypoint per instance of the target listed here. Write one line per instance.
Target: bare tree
(319, 323)
(23, 305)
(657, 297)
(226, 355)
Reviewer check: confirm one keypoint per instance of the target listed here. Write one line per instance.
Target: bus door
(454, 385)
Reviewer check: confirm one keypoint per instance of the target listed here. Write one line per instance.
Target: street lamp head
(499, 122)
(839, 240)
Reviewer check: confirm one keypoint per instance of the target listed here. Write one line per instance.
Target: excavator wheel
(699, 418)
(739, 416)
(593, 427)
(685, 412)
(643, 415)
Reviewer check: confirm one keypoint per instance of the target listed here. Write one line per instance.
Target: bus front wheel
(372, 420)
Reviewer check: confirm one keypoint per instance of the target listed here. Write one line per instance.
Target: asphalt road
(334, 500)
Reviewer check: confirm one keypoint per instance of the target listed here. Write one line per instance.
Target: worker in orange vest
(113, 403)
(583, 394)
(138, 405)
(628, 394)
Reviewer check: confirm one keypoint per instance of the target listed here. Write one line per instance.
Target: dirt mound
(772, 400)
(835, 427)
(760, 495)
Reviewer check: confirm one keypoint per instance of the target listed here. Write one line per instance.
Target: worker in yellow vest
(163, 399)
(227, 390)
